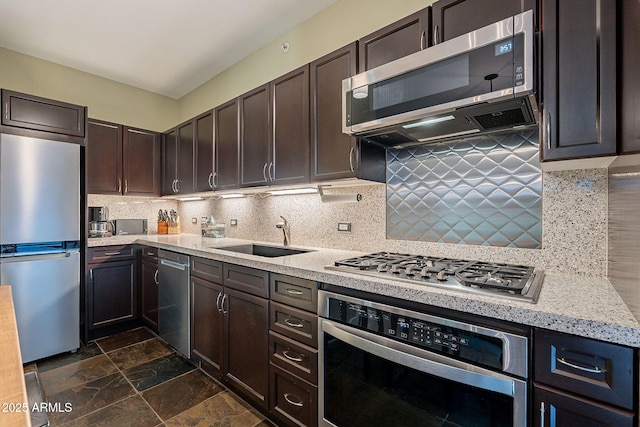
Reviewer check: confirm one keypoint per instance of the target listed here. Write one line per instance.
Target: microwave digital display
(504, 47)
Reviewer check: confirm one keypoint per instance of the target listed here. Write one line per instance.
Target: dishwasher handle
(173, 264)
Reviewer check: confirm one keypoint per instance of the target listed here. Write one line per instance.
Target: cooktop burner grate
(508, 280)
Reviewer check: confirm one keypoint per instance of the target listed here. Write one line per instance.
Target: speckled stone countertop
(579, 305)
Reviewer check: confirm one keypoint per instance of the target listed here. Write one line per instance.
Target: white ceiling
(165, 46)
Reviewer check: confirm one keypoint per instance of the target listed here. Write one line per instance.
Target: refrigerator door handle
(36, 257)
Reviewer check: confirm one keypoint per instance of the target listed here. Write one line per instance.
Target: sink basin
(264, 250)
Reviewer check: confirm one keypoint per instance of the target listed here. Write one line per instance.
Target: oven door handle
(426, 361)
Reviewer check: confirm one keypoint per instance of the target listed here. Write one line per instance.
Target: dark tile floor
(134, 379)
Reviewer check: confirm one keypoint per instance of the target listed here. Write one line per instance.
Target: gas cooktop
(486, 278)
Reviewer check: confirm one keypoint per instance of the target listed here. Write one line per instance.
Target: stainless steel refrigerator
(40, 241)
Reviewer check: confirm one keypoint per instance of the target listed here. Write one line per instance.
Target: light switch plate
(233, 222)
(344, 226)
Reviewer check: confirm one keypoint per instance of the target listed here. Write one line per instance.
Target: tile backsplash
(574, 222)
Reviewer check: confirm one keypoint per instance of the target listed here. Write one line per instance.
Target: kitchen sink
(263, 250)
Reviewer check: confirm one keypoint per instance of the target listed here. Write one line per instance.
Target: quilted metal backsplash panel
(484, 191)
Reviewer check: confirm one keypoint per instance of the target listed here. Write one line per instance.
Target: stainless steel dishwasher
(173, 300)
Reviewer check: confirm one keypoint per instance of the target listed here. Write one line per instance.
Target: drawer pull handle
(541, 414)
(111, 253)
(285, 353)
(293, 324)
(295, 402)
(294, 292)
(594, 370)
(155, 277)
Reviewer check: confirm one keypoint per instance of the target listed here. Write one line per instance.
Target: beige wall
(106, 99)
(339, 24)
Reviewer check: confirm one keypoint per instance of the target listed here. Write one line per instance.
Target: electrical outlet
(344, 226)
(194, 220)
(233, 222)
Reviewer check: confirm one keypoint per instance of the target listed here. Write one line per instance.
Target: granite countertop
(580, 305)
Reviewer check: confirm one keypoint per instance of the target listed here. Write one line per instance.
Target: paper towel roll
(341, 198)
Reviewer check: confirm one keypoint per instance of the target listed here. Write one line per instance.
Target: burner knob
(382, 268)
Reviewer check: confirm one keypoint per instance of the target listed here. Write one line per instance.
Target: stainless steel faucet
(284, 225)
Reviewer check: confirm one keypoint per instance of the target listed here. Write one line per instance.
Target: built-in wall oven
(385, 365)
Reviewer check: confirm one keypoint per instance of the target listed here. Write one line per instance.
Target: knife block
(173, 227)
(163, 227)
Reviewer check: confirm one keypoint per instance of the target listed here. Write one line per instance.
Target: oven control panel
(434, 335)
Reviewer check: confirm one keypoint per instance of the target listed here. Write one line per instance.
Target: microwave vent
(501, 119)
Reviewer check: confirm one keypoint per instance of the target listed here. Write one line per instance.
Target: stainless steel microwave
(479, 82)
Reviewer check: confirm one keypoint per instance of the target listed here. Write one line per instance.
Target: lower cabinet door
(246, 358)
(149, 293)
(207, 328)
(293, 401)
(112, 293)
(554, 408)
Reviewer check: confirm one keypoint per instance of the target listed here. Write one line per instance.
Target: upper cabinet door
(33, 112)
(333, 153)
(255, 137)
(204, 152)
(186, 153)
(453, 18)
(227, 146)
(141, 162)
(629, 112)
(402, 38)
(170, 162)
(290, 150)
(104, 157)
(579, 79)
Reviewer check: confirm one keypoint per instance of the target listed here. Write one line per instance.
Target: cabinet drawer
(110, 253)
(296, 324)
(590, 368)
(250, 280)
(294, 357)
(34, 112)
(300, 293)
(207, 269)
(149, 253)
(293, 401)
(554, 408)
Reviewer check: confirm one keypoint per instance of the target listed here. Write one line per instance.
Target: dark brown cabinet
(335, 155)
(578, 79)
(122, 160)
(169, 162)
(629, 93)
(453, 18)
(289, 157)
(246, 357)
(178, 172)
(207, 331)
(402, 38)
(41, 114)
(149, 287)
(227, 145)
(255, 137)
(580, 381)
(111, 286)
(293, 348)
(230, 326)
(555, 408)
(204, 150)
